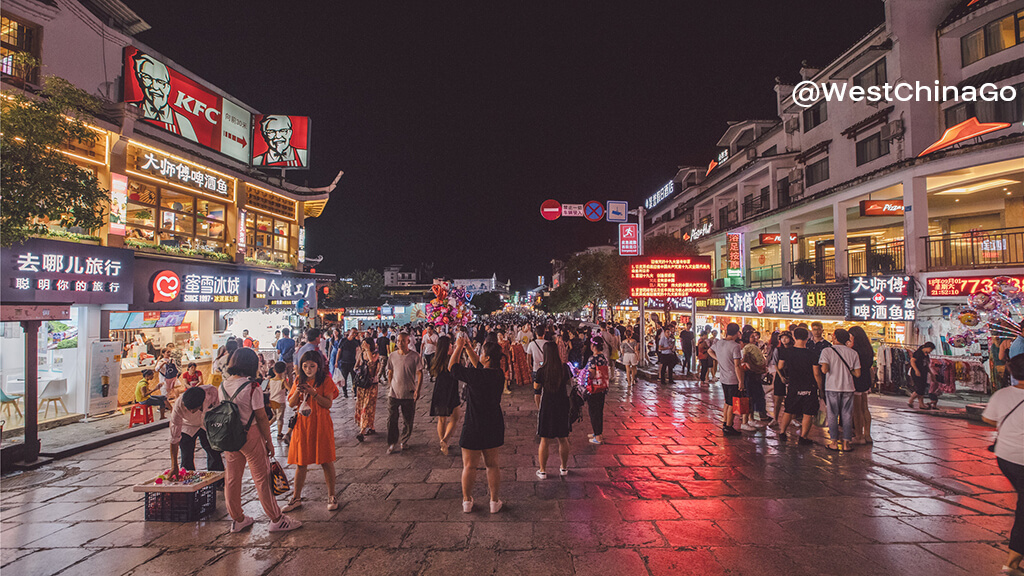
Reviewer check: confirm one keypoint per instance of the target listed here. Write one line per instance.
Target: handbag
(741, 404)
(992, 448)
(216, 379)
(822, 416)
(278, 479)
(305, 409)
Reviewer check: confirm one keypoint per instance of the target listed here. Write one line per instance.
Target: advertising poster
(104, 376)
(280, 141)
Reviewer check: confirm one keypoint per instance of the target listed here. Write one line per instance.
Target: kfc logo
(283, 142)
(166, 286)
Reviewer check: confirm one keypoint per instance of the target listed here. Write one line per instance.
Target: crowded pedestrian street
(665, 494)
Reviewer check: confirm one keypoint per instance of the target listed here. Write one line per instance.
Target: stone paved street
(666, 495)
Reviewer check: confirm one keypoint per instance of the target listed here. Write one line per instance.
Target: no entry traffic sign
(551, 209)
(593, 211)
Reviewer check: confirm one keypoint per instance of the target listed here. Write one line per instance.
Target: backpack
(170, 370)
(224, 426)
(364, 375)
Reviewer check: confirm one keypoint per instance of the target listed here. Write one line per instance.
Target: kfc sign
(776, 238)
(881, 207)
(281, 141)
(182, 106)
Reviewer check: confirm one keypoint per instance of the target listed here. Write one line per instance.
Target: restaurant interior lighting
(963, 190)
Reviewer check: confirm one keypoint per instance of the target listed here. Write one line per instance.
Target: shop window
(873, 76)
(177, 201)
(170, 217)
(815, 115)
(17, 37)
(271, 238)
(871, 148)
(992, 38)
(817, 172)
(998, 111)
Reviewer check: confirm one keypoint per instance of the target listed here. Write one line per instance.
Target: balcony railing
(978, 249)
(881, 259)
(766, 276)
(755, 205)
(813, 270)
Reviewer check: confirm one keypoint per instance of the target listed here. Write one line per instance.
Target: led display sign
(182, 106)
(656, 198)
(882, 298)
(734, 256)
(670, 277)
(964, 285)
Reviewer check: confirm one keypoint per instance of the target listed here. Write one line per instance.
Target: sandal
(444, 448)
(293, 504)
(833, 446)
(332, 503)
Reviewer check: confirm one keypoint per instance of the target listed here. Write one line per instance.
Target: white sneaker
(392, 449)
(467, 506)
(563, 471)
(284, 524)
(747, 428)
(239, 526)
(542, 474)
(496, 506)
(774, 423)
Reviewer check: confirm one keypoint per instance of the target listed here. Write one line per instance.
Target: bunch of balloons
(995, 313)
(449, 306)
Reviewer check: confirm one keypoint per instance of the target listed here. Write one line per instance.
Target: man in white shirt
(429, 346)
(188, 425)
(840, 364)
(536, 352)
(728, 353)
(1005, 411)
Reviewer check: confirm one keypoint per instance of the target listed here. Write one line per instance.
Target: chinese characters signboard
(284, 290)
(734, 247)
(882, 298)
(280, 141)
(164, 285)
(797, 301)
(177, 171)
(963, 285)
(51, 271)
(629, 239)
(656, 198)
(180, 105)
(670, 277)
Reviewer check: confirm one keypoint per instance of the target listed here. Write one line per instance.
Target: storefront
(276, 301)
(771, 309)
(362, 317)
(93, 280)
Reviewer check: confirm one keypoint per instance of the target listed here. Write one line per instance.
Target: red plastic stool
(141, 414)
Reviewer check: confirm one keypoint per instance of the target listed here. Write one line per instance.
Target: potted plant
(805, 270)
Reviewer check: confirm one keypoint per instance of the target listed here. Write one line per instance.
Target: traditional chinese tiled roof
(963, 8)
(995, 73)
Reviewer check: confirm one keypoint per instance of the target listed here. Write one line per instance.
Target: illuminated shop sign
(283, 290)
(766, 239)
(118, 203)
(821, 301)
(240, 232)
(281, 141)
(302, 245)
(882, 298)
(700, 231)
(180, 105)
(660, 195)
(47, 271)
(363, 312)
(192, 175)
(670, 277)
(881, 208)
(162, 285)
(734, 256)
(964, 285)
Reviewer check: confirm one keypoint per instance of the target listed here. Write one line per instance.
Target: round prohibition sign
(593, 211)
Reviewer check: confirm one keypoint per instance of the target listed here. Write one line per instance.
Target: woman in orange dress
(521, 365)
(313, 435)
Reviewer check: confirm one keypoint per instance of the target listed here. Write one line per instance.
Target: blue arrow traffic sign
(593, 211)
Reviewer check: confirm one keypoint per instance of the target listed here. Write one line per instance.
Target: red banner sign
(182, 106)
(881, 207)
(670, 277)
(964, 285)
(280, 141)
(776, 238)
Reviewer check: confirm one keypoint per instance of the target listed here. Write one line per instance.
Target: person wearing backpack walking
(241, 415)
(1005, 410)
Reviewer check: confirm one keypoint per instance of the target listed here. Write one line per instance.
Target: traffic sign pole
(640, 212)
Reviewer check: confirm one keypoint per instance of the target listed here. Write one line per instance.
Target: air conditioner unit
(796, 175)
(892, 130)
(795, 190)
(751, 153)
(792, 125)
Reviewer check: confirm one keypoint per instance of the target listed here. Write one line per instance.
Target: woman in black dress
(445, 401)
(552, 396)
(919, 370)
(483, 430)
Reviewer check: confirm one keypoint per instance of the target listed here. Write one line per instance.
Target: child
(143, 394)
(278, 386)
(192, 377)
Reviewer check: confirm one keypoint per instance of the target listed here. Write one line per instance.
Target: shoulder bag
(992, 448)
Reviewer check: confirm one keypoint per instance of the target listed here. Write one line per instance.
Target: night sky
(454, 121)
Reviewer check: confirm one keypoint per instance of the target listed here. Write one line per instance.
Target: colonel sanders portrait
(155, 82)
(277, 133)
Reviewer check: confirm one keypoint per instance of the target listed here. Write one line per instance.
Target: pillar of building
(839, 226)
(786, 250)
(915, 223)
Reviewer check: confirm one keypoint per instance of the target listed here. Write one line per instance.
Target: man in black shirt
(817, 343)
(347, 350)
(686, 342)
(799, 369)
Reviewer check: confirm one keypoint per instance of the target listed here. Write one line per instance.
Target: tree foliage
(365, 285)
(487, 302)
(591, 278)
(38, 182)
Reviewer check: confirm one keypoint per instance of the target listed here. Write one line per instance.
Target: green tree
(668, 246)
(487, 302)
(365, 285)
(591, 278)
(39, 182)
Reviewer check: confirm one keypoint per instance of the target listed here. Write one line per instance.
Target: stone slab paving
(665, 495)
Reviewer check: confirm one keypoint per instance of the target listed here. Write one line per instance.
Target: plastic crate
(181, 506)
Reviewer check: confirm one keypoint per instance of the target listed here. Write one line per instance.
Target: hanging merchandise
(449, 306)
(989, 314)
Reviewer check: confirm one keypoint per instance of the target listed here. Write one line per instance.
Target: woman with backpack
(1005, 410)
(445, 401)
(367, 377)
(241, 389)
(311, 396)
(597, 388)
(551, 393)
